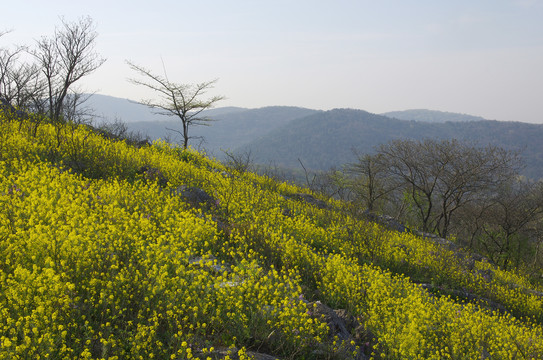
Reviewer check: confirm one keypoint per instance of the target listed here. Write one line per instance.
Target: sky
(478, 57)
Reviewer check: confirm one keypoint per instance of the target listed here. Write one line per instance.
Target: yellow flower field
(99, 260)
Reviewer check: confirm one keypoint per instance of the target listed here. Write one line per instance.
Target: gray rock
(142, 143)
(343, 325)
(208, 263)
(10, 110)
(387, 221)
(335, 323)
(153, 174)
(310, 199)
(232, 353)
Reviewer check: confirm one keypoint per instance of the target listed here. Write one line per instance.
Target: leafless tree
(511, 222)
(64, 59)
(333, 183)
(75, 107)
(442, 176)
(239, 161)
(183, 101)
(20, 83)
(368, 180)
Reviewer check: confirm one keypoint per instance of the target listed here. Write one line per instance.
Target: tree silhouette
(184, 101)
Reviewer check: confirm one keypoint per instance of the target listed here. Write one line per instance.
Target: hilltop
(115, 250)
(431, 116)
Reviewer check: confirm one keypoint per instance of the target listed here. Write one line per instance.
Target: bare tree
(239, 161)
(472, 174)
(333, 183)
(20, 83)
(369, 181)
(64, 59)
(8, 61)
(75, 107)
(179, 100)
(511, 221)
(442, 176)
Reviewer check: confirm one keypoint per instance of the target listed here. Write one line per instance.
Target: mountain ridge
(345, 130)
(431, 116)
(321, 139)
(109, 106)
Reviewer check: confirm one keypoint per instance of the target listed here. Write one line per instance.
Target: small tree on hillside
(369, 182)
(511, 221)
(181, 100)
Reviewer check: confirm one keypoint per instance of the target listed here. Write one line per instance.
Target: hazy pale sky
(480, 57)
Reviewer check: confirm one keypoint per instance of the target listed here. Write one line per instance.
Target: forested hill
(326, 139)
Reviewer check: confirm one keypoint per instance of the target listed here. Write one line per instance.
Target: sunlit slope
(103, 255)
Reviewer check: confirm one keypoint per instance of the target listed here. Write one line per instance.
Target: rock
(193, 195)
(487, 274)
(142, 143)
(348, 319)
(343, 325)
(153, 174)
(11, 111)
(209, 263)
(310, 199)
(232, 353)
(335, 323)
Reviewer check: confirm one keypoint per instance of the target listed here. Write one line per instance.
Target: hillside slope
(110, 250)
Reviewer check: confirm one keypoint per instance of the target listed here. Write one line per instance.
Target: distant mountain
(232, 129)
(281, 135)
(327, 139)
(235, 126)
(109, 108)
(431, 116)
(225, 110)
(324, 139)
